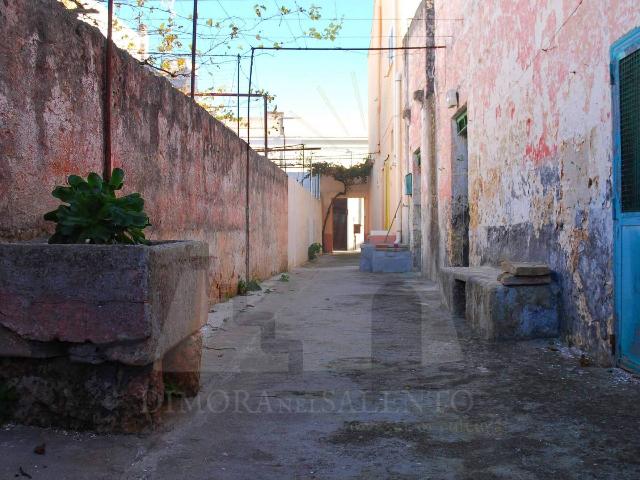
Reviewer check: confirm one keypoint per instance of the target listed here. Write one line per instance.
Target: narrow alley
(320, 239)
(329, 376)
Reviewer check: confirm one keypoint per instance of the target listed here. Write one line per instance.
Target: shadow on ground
(342, 374)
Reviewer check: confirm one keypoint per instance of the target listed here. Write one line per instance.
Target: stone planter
(90, 333)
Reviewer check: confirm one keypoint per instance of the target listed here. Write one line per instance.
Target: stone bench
(498, 312)
(90, 335)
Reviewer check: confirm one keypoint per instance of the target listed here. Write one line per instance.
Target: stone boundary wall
(188, 166)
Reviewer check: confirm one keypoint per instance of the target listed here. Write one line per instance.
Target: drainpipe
(194, 38)
(397, 120)
(108, 80)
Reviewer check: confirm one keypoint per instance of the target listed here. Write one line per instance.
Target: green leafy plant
(171, 390)
(245, 287)
(8, 400)
(242, 287)
(284, 277)
(313, 250)
(94, 214)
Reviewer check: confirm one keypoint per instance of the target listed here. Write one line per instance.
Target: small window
(417, 157)
(461, 124)
(408, 184)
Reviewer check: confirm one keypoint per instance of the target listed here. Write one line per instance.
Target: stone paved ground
(338, 374)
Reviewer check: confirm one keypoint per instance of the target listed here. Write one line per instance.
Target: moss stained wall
(535, 78)
(188, 166)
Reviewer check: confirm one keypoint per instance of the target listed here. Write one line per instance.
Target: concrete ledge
(366, 257)
(497, 312)
(388, 260)
(124, 303)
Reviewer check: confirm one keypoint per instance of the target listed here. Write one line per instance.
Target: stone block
(525, 269)
(366, 257)
(13, 345)
(498, 312)
(511, 280)
(181, 365)
(391, 261)
(109, 397)
(124, 303)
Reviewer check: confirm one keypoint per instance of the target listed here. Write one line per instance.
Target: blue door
(625, 70)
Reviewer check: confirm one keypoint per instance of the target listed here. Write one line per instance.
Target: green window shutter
(630, 132)
(461, 124)
(408, 184)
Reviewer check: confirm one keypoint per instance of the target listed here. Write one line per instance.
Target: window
(461, 124)
(417, 157)
(392, 44)
(630, 132)
(408, 184)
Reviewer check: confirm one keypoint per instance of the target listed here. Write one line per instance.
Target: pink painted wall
(534, 75)
(189, 167)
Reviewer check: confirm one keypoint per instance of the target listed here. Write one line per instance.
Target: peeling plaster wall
(189, 167)
(535, 78)
(414, 86)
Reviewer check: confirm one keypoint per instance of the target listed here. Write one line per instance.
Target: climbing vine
(169, 28)
(357, 174)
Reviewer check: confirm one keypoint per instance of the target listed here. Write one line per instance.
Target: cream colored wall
(355, 207)
(391, 17)
(305, 223)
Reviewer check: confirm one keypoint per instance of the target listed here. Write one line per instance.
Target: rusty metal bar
(350, 49)
(303, 159)
(222, 94)
(238, 89)
(311, 175)
(266, 128)
(290, 148)
(248, 172)
(108, 74)
(194, 33)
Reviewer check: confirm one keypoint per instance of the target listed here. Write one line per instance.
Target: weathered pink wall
(414, 83)
(189, 167)
(535, 77)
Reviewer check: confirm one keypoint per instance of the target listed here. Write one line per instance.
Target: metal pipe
(311, 175)
(238, 90)
(266, 129)
(222, 94)
(291, 148)
(247, 219)
(350, 49)
(108, 164)
(302, 180)
(194, 32)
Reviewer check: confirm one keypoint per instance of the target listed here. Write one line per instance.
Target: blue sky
(317, 86)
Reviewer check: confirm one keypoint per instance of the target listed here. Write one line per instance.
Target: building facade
(391, 209)
(526, 119)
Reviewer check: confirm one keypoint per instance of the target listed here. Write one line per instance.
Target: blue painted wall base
(385, 261)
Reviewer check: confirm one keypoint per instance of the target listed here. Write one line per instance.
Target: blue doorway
(625, 72)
